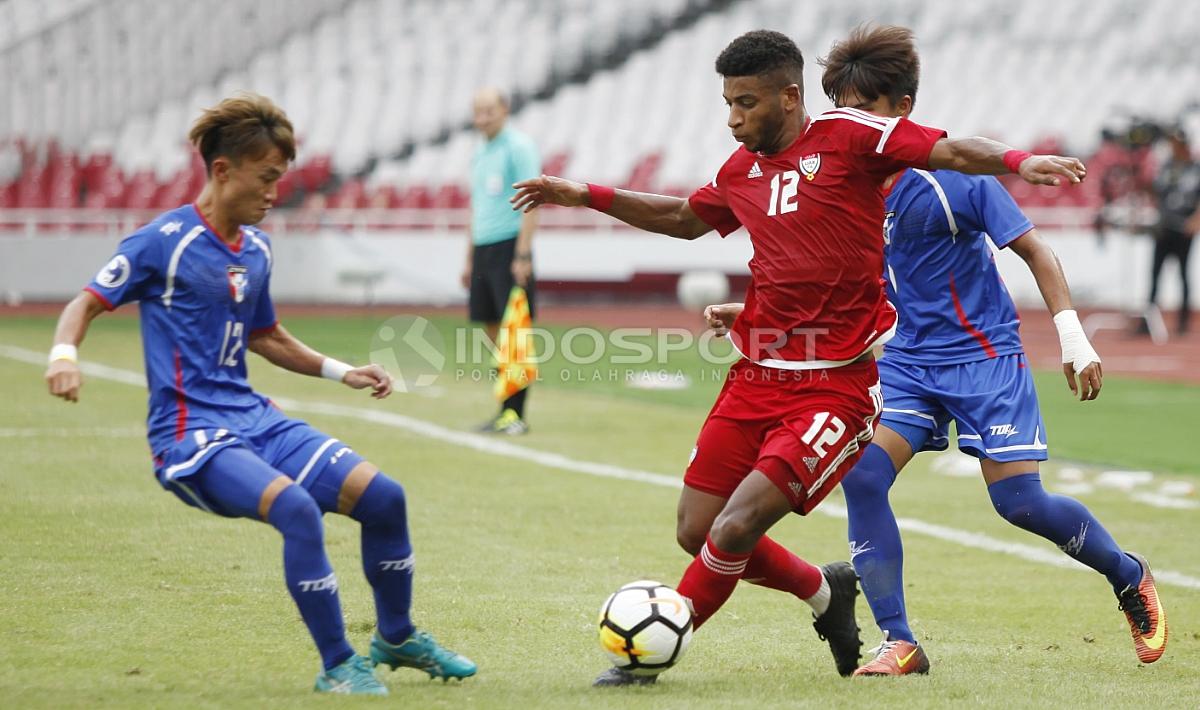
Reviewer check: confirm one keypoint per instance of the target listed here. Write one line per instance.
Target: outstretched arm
(63, 375)
(984, 156)
(1078, 356)
(283, 349)
(671, 216)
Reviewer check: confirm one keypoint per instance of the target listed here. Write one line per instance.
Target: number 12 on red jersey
(783, 193)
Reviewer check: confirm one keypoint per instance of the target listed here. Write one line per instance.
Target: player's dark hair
(872, 62)
(763, 52)
(242, 126)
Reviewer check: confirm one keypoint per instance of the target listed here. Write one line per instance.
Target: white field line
(494, 447)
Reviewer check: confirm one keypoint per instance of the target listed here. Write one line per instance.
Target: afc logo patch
(115, 272)
(238, 281)
(809, 165)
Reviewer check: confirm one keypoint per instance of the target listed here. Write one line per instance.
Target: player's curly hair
(243, 125)
(762, 52)
(872, 62)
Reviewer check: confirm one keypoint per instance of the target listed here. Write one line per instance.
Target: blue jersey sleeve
(989, 208)
(264, 319)
(133, 273)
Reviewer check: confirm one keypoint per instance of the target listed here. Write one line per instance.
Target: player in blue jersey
(201, 276)
(957, 355)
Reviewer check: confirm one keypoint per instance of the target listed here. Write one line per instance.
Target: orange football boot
(1145, 614)
(895, 658)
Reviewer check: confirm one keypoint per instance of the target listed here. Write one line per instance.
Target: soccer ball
(645, 627)
(697, 289)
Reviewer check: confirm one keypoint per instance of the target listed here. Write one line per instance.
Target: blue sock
(309, 576)
(875, 547)
(387, 555)
(1022, 501)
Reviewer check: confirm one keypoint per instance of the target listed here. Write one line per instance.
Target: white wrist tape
(64, 351)
(334, 369)
(1075, 346)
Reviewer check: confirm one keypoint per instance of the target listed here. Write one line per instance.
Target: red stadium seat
(96, 171)
(285, 188)
(64, 182)
(140, 191)
(314, 201)
(385, 196)
(350, 195)
(555, 163)
(314, 173)
(450, 197)
(176, 191)
(417, 197)
(643, 176)
(31, 188)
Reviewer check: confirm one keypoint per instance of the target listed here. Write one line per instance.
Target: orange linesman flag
(515, 357)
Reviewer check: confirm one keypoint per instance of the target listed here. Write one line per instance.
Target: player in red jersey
(795, 411)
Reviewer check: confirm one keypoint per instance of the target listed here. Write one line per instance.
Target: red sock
(773, 565)
(710, 579)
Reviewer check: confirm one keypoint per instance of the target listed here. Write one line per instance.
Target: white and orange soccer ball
(645, 627)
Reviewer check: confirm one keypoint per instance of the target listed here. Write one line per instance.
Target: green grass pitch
(117, 595)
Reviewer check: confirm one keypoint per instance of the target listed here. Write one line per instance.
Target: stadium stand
(620, 91)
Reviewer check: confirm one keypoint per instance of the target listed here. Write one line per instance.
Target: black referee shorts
(492, 280)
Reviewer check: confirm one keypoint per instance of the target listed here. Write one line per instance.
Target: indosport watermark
(419, 353)
(411, 349)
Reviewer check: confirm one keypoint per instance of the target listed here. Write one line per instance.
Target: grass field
(117, 595)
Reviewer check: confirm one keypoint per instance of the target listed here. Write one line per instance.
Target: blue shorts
(291, 447)
(992, 402)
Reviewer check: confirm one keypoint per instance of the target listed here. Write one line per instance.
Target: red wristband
(1014, 158)
(600, 197)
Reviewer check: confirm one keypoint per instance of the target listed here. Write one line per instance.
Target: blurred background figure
(1177, 193)
(500, 250)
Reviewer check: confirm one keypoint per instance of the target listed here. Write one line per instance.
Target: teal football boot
(354, 676)
(420, 651)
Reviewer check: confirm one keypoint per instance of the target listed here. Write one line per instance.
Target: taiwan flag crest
(238, 280)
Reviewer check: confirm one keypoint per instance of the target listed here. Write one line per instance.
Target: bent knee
(863, 483)
(1018, 514)
(692, 525)
(690, 539)
(380, 502)
(354, 485)
(295, 514)
(736, 529)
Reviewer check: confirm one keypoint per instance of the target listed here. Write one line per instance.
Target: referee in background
(499, 249)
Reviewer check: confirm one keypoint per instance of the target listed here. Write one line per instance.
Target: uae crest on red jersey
(809, 165)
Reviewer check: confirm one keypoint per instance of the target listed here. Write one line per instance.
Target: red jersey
(814, 212)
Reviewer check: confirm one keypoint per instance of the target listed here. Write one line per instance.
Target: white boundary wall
(417, 265)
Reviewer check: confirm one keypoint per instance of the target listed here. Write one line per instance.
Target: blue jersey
(200, 299)
(952, 305)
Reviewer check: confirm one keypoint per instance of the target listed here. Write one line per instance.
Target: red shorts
(804, 429)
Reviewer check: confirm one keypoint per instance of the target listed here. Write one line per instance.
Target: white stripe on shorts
(313, 460)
